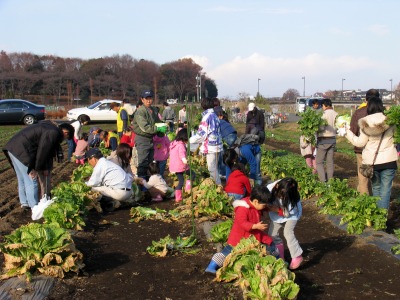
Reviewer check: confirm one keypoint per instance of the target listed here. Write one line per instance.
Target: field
(337, 265)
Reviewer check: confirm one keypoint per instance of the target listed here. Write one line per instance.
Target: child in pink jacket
(161, 151)
(178, 163)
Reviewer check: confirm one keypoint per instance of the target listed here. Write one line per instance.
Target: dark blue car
(20, 111)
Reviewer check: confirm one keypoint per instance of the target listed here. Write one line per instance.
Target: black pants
(145, 153)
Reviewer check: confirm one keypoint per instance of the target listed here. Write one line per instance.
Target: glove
(341, 131)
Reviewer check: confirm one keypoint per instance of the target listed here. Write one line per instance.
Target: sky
(245, 46)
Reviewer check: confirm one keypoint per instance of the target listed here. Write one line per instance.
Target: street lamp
(343, 79)
(197, 86)
(304, 85)
(258, 87)
(391, 89)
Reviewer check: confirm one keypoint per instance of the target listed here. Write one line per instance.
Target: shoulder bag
(368, 170)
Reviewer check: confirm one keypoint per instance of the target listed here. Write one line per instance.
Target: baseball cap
(93, 152)
(146, 93)
(251, 106)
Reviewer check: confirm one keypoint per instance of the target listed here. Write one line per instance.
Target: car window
(94, 105)
(3, 106)
(16, 105)
(104, 106)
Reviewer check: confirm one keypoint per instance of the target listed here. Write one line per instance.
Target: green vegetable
(65, 214)
(168, 244)
(393, 118)
(310, 123)
(396, 249)
(46, 248)
(342, 121)
(220, 232)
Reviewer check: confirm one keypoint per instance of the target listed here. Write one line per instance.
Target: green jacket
(144, 121)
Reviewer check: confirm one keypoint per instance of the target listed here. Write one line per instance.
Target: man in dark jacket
(146, 116)
(255, 119)
(31, 150)
(361, 112)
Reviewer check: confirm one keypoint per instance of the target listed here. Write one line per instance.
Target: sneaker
(296, 262)
(158, 198)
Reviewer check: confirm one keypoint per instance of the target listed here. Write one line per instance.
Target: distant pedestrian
(168, 115)
(255, 122)
(122, 117)
(182, 115)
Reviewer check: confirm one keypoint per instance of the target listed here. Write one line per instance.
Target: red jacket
(130, 140)
(238, 183)
(245, 217)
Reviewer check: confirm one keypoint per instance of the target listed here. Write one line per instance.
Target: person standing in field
(255, 120)
(363, 186)
(122, 117)
(168, 115)
(326, 142)
(32, 150)
(145, 118)
(182, 115)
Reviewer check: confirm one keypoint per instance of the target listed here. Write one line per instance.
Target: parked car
(99, 111)
(172, 101)
(21, 111)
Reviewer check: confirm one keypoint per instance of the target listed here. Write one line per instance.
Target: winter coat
(168, 114)
(305, 147)
(246, 215)
(361, 112)
(371, 129)
(35, 146)
(161, 147)
(226, 128)
(144, 121)
(255, 119)
(209, 133)
(238, 183)
(177, 151)
(329, 130)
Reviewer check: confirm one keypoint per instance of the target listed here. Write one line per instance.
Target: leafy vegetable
(310, 123)
(393, 118)
(220, 232)
(65, 214)
(342, 121)
(168, 244)
(396, 249)
(46, 248)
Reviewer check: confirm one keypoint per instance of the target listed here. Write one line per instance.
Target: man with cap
(108, 179)
(122, 117)
(146, 116)
(255, 122)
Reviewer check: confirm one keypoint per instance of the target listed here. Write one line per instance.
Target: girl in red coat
(248, 212)
(238, 184)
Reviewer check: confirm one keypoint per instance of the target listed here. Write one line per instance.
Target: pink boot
(296, 262)
(281, 249)
(188, 186)
(178, 195)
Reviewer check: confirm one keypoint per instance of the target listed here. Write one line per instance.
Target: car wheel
(29, 120)
(82, 116)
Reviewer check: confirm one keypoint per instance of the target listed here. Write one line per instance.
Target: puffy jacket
(246, 215)
(361, 112)
(371, 129)
(144, 121)
(305, 147)
(161, 147)
(36, 145)
(238, 183)
(177, 151)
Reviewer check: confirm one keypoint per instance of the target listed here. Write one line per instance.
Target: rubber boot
(212, 267)
(188, 186)
(178, 195)
(281, 249)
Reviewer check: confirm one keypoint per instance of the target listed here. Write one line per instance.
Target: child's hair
(182, 135)
(239, 166)
(224, 115)
(124, 152)
(287, 191)
(160, 134)
(103, 134)
(154, 168)
(261, 193)
(84, 136)
(180, 125)
(128, 129)
(230, 157)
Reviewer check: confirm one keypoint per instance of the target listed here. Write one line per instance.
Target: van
(300, 104)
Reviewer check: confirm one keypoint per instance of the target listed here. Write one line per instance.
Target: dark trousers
(145, 153)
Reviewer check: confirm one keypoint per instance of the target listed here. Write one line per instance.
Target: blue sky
(236, 42)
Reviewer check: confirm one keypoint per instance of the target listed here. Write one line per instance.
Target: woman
(209, 135)
(372, 129)
(122, 157)
(78, 125)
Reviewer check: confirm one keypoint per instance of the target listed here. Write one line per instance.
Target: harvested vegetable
(342, 121)
(220, 232)
(169, 245)
(309, 124)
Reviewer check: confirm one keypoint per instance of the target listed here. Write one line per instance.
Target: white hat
(251, 106)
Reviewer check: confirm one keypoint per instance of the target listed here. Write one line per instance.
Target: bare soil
(336, 266)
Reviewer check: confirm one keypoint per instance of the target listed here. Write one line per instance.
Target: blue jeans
(235, 196)
(27, 187)
(382, 186)
(162, 164)
(71, 149)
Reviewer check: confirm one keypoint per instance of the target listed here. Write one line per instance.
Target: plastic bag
(38, 209)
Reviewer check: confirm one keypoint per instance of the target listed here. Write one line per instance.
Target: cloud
(378, 29)
(270, 11)
(277, 74)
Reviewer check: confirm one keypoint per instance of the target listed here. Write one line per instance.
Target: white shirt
(107, 173)
(78, 129)
(182, 116)
(157, 182)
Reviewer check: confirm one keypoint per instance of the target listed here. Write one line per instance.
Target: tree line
(27, 75)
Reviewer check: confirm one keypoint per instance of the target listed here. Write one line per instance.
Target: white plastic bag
(38, 209)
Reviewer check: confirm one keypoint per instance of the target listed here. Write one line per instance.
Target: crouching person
(108, 179)
(247, 221)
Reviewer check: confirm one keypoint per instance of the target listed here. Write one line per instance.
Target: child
(93, 138)
(156, 185)
(81, 147)
(180, 126)
(228, 132)
(307, 151)
(286, 196)
(122, 157)
(238, 184)
(128, 137)
(248, 212)
(161, 150)
(177, 161)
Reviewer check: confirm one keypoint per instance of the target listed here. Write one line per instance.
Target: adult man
(255, 119)
(361, 112)
(144, 126)
(182, 115)
(108, 179)
(316, 106)
(326, 142)
(168, 116)
(32, 150)
(122, 117)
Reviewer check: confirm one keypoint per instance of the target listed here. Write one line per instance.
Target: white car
(99, 111)
(172, 101)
